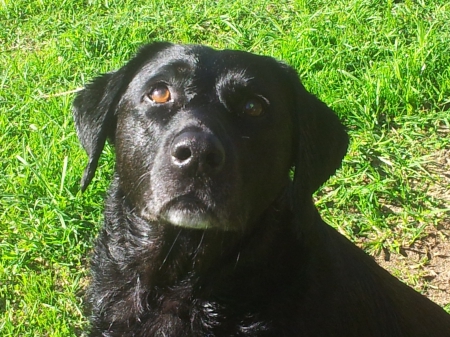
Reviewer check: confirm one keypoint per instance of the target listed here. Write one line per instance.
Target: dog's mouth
(190, 212)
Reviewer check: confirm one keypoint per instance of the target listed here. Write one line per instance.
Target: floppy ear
(95, 107)
(94, 115)
(321, 140)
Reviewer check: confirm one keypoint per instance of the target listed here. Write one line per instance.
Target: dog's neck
(173, 269)
(170, 254)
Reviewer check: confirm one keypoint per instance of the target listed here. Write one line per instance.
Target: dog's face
(206, 138)
(198, 131)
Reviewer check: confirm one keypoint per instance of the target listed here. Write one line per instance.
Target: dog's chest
(195, 317)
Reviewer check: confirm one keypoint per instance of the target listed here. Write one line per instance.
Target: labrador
(206, 233)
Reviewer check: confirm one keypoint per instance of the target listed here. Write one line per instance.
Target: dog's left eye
(160, 94)
(253, 107)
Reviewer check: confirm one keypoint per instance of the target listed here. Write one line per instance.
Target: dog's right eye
(253, 107)
(160, 94)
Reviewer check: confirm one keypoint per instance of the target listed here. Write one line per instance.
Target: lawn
(384, 67)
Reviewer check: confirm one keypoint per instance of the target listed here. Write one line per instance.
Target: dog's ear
(95, 107)
(320, 142)
(95, 120)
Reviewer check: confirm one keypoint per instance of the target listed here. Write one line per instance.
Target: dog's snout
(197, 151)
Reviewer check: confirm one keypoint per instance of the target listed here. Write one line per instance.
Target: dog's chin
(187, 218)
(190, 212)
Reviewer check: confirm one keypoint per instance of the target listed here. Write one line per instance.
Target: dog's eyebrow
(175, 58)
(173, 66)
(234, 77)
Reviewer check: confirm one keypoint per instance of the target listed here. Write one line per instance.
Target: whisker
(139, 181)
(197, 250)
(170, 250)
(237, 260)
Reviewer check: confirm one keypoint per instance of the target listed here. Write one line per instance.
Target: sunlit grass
(384, 68)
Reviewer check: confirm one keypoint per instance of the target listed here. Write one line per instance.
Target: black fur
(205, 234)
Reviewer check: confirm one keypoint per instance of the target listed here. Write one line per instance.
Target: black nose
(197, 152)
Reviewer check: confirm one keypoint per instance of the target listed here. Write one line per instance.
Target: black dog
(205, 234)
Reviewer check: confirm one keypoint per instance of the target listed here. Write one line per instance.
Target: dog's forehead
(224, 62)
(175, 56)
(205, 61)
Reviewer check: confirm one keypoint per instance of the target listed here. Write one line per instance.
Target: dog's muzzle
(196, 156)
(197, 152)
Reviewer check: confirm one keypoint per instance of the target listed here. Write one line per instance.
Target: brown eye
(160, 94)
(253, 107)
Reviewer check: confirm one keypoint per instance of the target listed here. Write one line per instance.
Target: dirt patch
(425, 265)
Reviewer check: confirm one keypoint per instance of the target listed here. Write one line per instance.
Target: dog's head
(207, 138)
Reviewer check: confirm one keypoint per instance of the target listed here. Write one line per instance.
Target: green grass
(383, 66)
